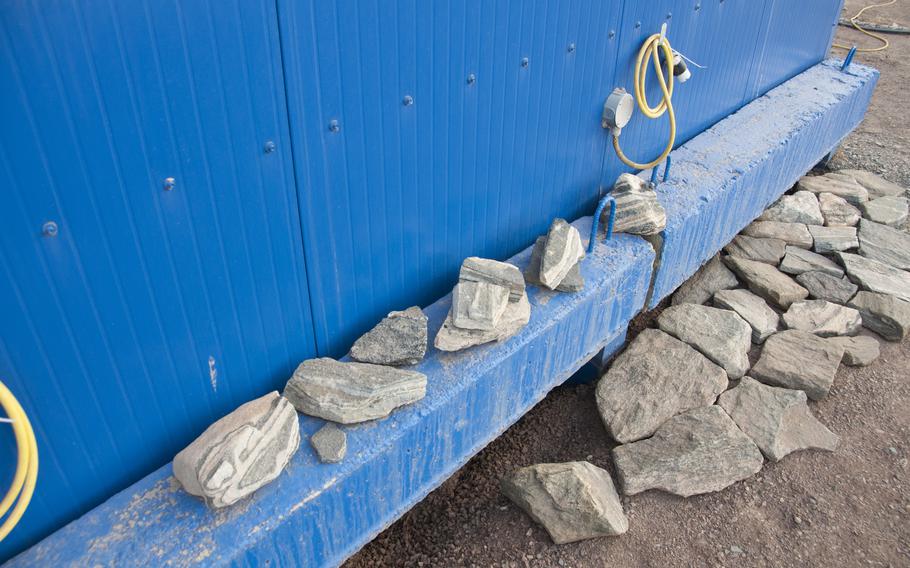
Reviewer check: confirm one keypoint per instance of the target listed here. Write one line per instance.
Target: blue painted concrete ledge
(316, 514)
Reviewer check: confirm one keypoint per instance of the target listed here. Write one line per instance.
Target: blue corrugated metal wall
(108, 329)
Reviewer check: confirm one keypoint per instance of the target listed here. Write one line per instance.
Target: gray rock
(769, 251)
(240, 452)
(798, 260)
(561, 253)
(720, 335)
(755, 311)
(841, 187)
(654, 379)
(330, 443)
(837, 212)
(710, 278)
(876, 276)
(823, 286)
(697, 452)
(823, 318)
(452, 338)
(800, 207)
(573, 282)
(891, 211)
(573, 501)
(883, 314)
(875, 185)
(476, 269)
(884, 244)
(800, 360)
(859, 351)
(833, 239)
(637, 210)
(767, 281)
(778, 420)
(794, 234)
(478, 305)
(399, 339)
(349, 393)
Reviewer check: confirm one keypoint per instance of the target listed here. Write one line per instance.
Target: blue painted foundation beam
(316, 514)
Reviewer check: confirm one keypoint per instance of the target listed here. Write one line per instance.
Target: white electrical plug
(618, 109)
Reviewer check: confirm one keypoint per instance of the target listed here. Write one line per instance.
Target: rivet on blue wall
(49, 229)
(524, 62)
(472, 79)
(269, 147)
(571, 48)
(334, 126)
(408, 100)
(169, 183)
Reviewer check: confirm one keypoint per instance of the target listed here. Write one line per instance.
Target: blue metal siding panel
(107, 329)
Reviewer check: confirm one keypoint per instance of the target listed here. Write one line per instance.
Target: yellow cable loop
(652, 47)
(885, 42)
(26, 476)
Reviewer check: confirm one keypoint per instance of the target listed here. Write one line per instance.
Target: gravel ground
(847, 508)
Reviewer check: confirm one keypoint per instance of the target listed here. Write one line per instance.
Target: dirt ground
(846, 508)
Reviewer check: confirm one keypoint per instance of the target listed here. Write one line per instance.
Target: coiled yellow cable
(652, 47)
(885, 42)
(26, 476)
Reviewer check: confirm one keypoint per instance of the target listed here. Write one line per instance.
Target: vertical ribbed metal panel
(108, 329)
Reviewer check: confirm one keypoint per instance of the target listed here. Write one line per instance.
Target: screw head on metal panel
(571, 48)
(637, 25)
(334, 126)
(269, 147)
(408, 100)
(669, 15)
(169, 183)
(612, 34)
(524, 62)
(472, 79)
(49, 229)
(697, 7)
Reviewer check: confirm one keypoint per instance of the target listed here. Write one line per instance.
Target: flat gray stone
(573, 501)
(452, 338)
(762, 319)
(769, 251)
(877, 186)
(573, 282)
(767, 281)
(837, 212)
(478, 305)
(637, 210)
(697, 452)
(822, 286)
(800, 207)
(794, 234)
(883, 314)
(720, 335)
(799, 360)
(399, 339)
(240, 452)
(778, 420)
(330, 443)
(859, 351)
(833, 239)
(840, 186)
(476, 269)
(561, 253)
(823, 318)
(654, 379)
(349, 393)
(891, 211)
(884, 244)
(876, 276)
(798, 260)
(710, 278)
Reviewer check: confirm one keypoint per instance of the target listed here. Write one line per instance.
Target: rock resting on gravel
(794, 234)
(800, 207)
(798, 260)
(883, 314)
(767, 281)
(822, 286)
(859, 351)
(707, 280)
(761, 318)
(833, 239)
(837, 212)
(885, 244)
(769, 251)
(823, 318)
(876, 276)
(799, 360)
(720, 335)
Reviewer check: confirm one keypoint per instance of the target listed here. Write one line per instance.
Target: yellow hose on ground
(885, 42)
(23, 485)
(652, 47)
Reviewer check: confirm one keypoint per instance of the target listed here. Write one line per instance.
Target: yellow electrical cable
(652, 47)
(26, 476)
(885, 42)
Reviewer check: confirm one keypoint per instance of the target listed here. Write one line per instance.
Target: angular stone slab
(822, 286)
(891, 211)
(769, 251)
(478, 305)
(349, 393)
(842, 187)
(399, 339)
(778, 420)
(573, 501)
(696, 452)
(330, 443)
(833, 239)
(794, 234)
(877, 186)
(798, 260)
(573, 282)
(637, 210)
(799, 360)
(859, 351)
(476, 269)
(720, 335)
(761, 318)
(885, 315)
(800, 207)
(654, 379)
(561, 253)
(876, 276)
(710, 278)
(767, 281)
(453, 338)
(837, 212)
(823, 318)
(884, 244)
(240, 452)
